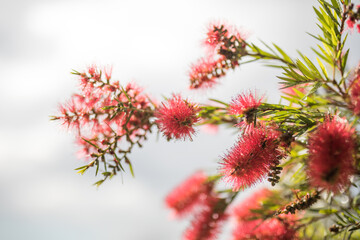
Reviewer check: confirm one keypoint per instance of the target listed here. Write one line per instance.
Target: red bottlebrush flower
(331, 150)
(207, 223)
(270, 229)
(251, 158)
(354, 92)
(358, 28)
(176, 118)
(251, 225)
(245, 103)
(243, 212)
(188, 194)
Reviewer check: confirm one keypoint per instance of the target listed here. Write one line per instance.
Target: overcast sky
(150, 42)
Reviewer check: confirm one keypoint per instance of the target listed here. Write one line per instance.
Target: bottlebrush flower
(251, 158)
(222, 34)
(269, 229)
(215, 34)
(354, 92)
(225, 47)
(206, 71)
(188, 194)
(243, 212)
(350, 22)
(251, 225)
(176, 118)
(245, 103)
(353, 17)
(331, 154)
(206, 224)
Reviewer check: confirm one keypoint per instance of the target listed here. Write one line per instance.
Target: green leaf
(322, 68)
(344, 60)
(131, 168)
(285, 56)
(315, 87)
(328, 211)
(92, 144)
(85, 166)
(98, 183)
(82, 171)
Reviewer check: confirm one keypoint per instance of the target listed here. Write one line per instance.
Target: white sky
(151, 42)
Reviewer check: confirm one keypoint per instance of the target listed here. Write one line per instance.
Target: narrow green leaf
(344, 60)
(328, 211)
(131, 168)
(85, 166)
(92, 144)
(98, 183)
(322, 68)
(315, 87)
(285, 56)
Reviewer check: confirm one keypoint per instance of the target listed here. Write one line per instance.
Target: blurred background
(150, 42)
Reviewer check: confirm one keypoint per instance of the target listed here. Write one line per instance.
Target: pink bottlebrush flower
(225, 45)
(269, 229)
(219, 33)
(188, 194)
(207, 223)
(206, 71)
(215, 34)
(176, 118)
(354, 92)
(250, 159)
(331, 154)
(243, 212)
(251, 225)
(350, 22)
(245, 103)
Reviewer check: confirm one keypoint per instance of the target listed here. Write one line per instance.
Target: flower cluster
(251, 225)
(176, 118)
(105, 114)
(252, 157)
(226, 46)
(331, 154)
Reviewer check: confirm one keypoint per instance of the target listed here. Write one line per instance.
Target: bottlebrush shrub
(307, 147)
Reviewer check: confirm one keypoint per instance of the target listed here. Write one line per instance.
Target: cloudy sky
(151, 42)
